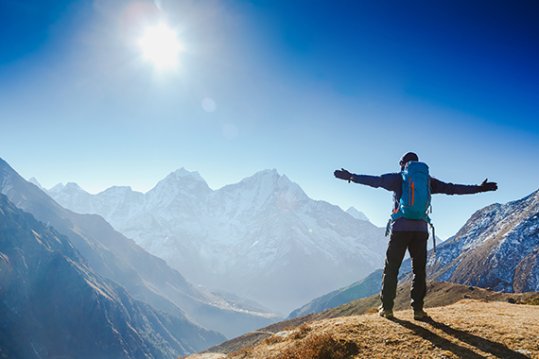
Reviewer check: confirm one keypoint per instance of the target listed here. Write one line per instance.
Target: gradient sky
(301, 86)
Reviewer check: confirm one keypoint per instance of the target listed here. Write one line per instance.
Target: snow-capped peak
(357, 214)
(34, 181)
(178, 186)
(73, 187)
(271, 173)
(265, 184)
(57, 188)
(184, 173)
(269, 178)
(69, 186)
(118, 189)
(182, 178)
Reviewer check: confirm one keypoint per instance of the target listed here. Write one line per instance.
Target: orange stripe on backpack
(413, 191)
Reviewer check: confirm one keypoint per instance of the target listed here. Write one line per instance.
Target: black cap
(410, 156)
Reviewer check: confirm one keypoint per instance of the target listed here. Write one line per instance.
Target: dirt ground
(467, 329)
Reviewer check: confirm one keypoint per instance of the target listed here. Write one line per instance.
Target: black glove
(488, 186)
(343, 174)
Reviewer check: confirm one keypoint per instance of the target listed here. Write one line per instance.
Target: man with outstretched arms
(412, 187)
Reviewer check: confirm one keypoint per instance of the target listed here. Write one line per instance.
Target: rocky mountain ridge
(497, 248)
(258, 238)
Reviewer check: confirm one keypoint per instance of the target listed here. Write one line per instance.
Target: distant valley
(262, 238)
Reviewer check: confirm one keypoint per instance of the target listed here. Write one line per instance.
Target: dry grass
(243, 353)
(467, 329)
(438, 294)
(274, 339)
(320, 346)
(271, 341)
(301, 332)
(531, 301)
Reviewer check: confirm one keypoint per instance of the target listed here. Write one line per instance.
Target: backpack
(415, 199)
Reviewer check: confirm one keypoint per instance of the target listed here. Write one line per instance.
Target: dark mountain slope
(53, 305)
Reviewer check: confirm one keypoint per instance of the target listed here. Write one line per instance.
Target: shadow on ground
(485, 345)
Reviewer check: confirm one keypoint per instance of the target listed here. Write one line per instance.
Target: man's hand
(488, 186)
(343, 174)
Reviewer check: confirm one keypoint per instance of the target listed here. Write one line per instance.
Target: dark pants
(416, 243)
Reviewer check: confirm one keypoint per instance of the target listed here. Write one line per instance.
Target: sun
(160, 46)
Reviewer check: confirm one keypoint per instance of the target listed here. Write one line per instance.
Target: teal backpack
(415, 199)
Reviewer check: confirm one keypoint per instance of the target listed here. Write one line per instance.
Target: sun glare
(160, 46)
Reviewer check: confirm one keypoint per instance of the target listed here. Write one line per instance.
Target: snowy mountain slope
(497, 248)
(357, 214)
(35, 182)
(260, 238)
(48, 291)
(113, 256)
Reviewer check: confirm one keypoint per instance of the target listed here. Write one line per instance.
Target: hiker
(412, 188)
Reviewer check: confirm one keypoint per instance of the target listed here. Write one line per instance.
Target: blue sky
(301, 86)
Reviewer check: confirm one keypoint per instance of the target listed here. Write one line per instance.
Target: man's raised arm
(438, 186)
(388, 181)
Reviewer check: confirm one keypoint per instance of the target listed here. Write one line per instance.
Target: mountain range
(119, 259)
(262, 238)
(59, 268)
(497, 248)
(55, 306)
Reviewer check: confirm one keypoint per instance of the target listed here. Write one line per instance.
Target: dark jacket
(393, 182)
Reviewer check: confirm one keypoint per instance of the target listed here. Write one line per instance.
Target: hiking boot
(421, 315)
(385, 313)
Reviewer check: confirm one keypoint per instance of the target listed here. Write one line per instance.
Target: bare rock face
(498, 248)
